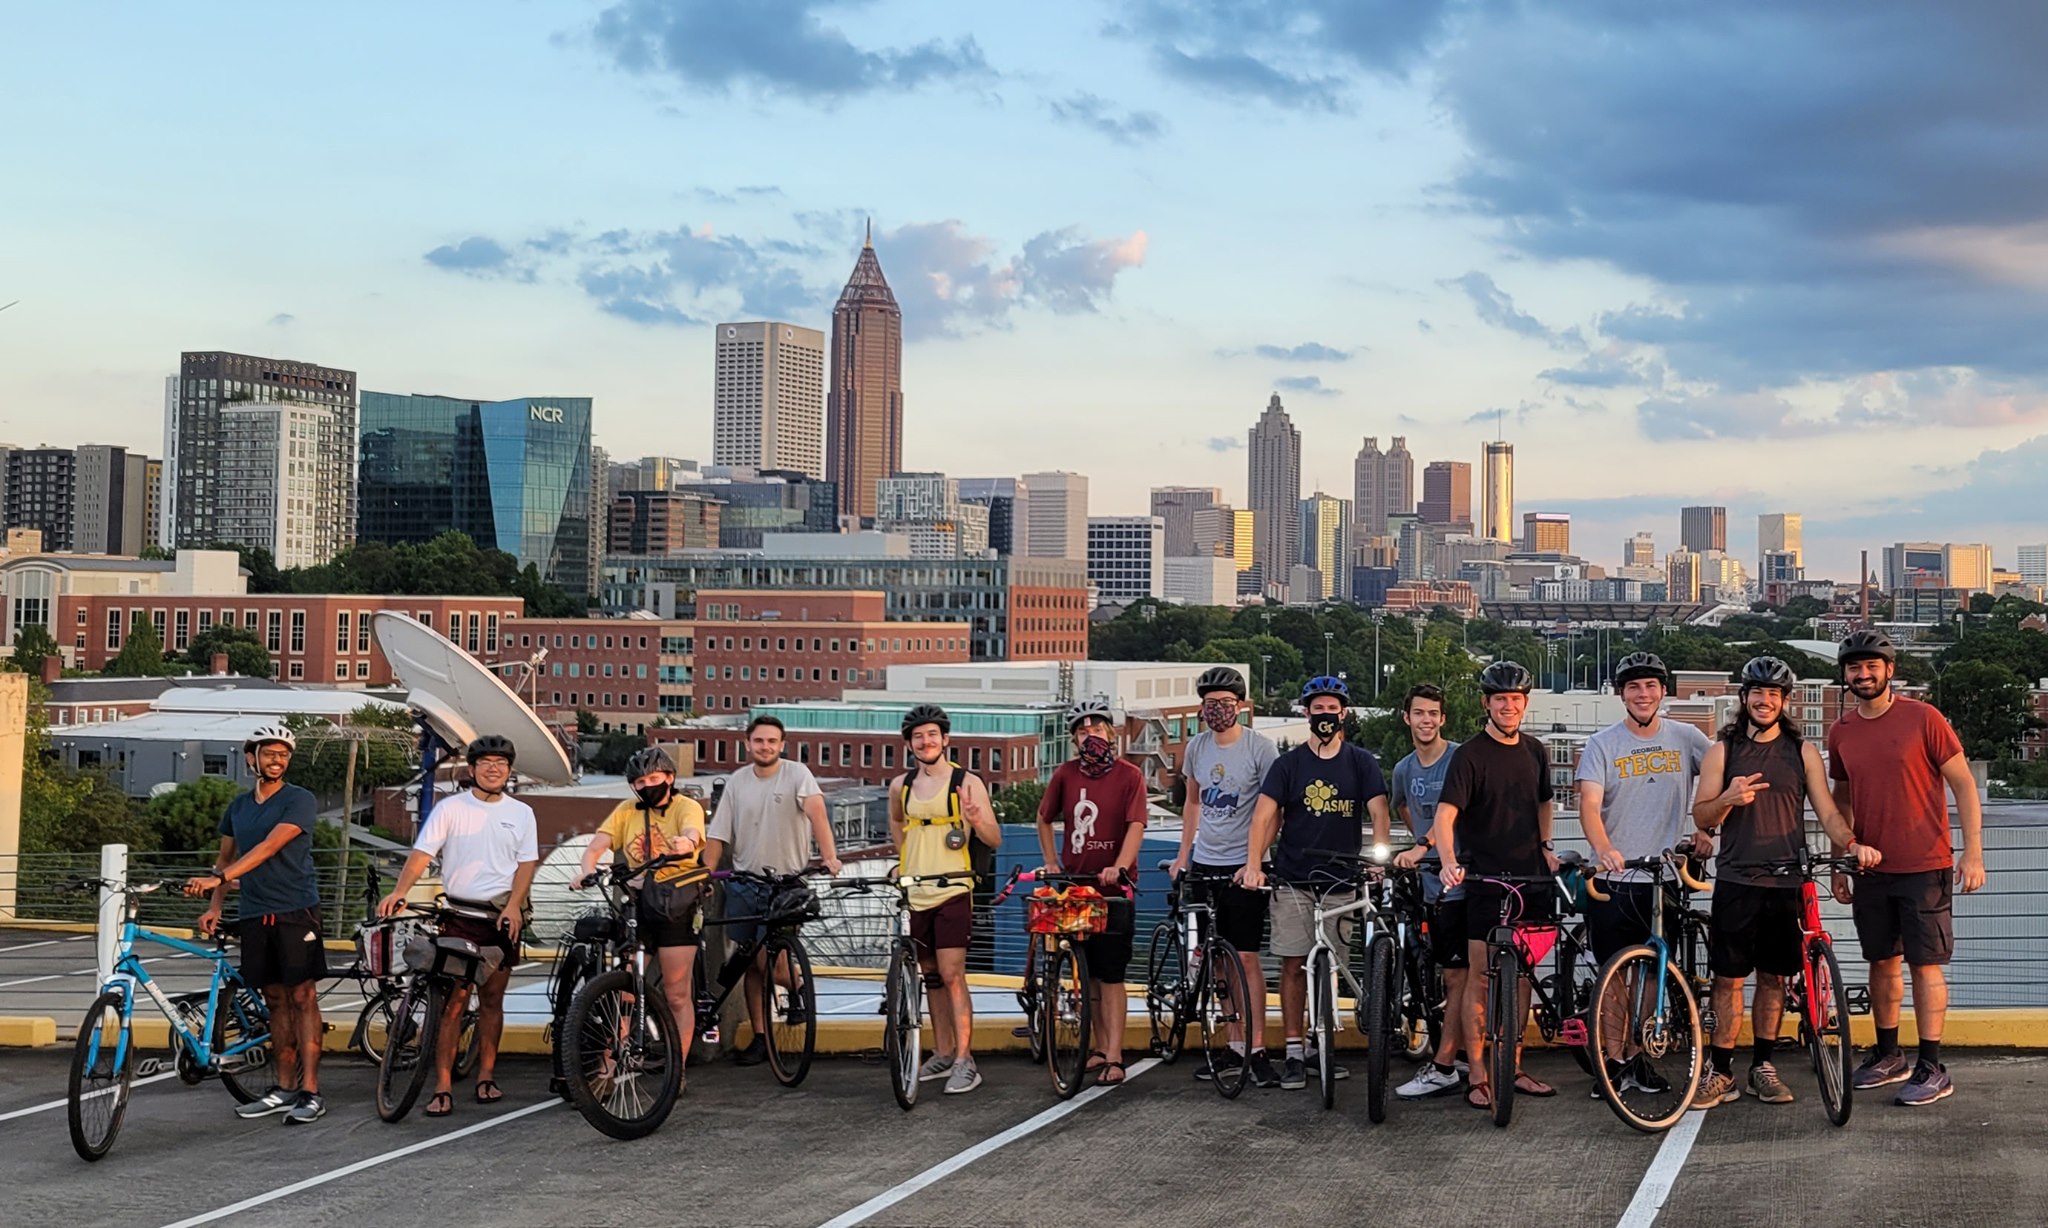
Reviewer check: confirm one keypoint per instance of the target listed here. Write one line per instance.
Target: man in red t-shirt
(1890, 759)
(1100, 800)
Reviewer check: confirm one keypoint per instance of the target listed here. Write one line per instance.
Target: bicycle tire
(1068, 1019)
(1828, 1030)
(242, 1013)
(900, 1028)
(1165, 963)
(1223, 996)
(607, 1060)
(1623, 977)
(1383, 998)
(469, 1043)
(1503, 1004)
(1030, 996)
(408, 1049)
(1322, 1023)
(1421, 1019)
(373, 1024)
(793, 1024)
(102, 1071)
(571, 971)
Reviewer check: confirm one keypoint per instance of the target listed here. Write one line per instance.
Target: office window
(454, 627)
(995, 760)
(607, 641)
(298, 670)
(746, 644)
(273, 638)
(803, 752)
(846, 754)
(889, 754)
(298, 631)
(782, 643)
(491, 632)
(475, 631)
(362, 631)
(205, 619)
(974, 759)
(340, 670)
(183, 623)
(341, 631)
(575, 669)
(113, 629)
(362, 669)
(867, 754)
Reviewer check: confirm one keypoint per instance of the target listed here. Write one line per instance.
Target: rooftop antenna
(870, 240)
(16, 302)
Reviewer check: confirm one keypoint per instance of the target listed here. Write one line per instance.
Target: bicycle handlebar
(1810, 866)
(1675, 859)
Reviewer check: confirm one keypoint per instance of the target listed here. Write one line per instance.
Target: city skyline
(1487, 261)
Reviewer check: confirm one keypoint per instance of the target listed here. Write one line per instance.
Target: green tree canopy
(142, 654)
(1989, 706)
(1018, 803)
(32, 645)
(246, 654)
(188, 817)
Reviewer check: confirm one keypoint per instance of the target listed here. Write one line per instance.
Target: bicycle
(1817, 993)
(224, 1031)
(1325, 971)
(1195, 976)
(1645, 1010)
(903, 984)
(1419, 1013)
(1059, 1022)
(380, 974)
(789, 995)
(1511, 958)
(438, 967)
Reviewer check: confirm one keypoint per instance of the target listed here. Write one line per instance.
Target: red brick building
(627, 672)
(1047, 611)
(869, 756)
(757, 647)
(662, 522)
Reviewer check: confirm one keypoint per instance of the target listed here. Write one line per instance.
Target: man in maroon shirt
(1890, 759)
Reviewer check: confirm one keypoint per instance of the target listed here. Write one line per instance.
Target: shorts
(1448, 934)
(1486, 906)
(658, 931)
(1294, 919)
(1906, 914)
(1623, 919)
(1755, 929)
(743, 898)
(1239, 915)
(1109, 953)
(283, 949)
(943, 927)
(487, 935)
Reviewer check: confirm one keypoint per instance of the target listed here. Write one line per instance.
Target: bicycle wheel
(1223, 997)
(242, 1017)
(625, 1065)
(1421, 1015)
(900, 1031)
(1030, 997)
(1167, 958)
(1322, 1022)
(408, 1049)
(373, 1024)
(1069, 1015)
(1827, 1004)
(102, 1067)
(1382, 1007)
(571, 971)
(1503, 1027)
(1659, 1037)
(791, 1010)
(1573, 990)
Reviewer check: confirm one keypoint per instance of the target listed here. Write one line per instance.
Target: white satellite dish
(458, 698)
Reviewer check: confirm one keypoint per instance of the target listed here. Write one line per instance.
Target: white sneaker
(937, 1066)
(1429, 1081)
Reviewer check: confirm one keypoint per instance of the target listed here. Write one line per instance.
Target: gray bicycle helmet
(1220, 678)
(1083, 709)
(926, 714)
(648, 759)
(1640, 665)
(1767, 671)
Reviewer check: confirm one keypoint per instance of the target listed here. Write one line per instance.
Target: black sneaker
(1313, 1060)
(276, 1100)
(1616, 1072)
(1263, 1074)
(1226, 1061)
(1293, 1074)
(754, 1054)
(1643, 1077)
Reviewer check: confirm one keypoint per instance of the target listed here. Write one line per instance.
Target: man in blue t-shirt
(1418, 783)
(1315, 799)
(266, 850)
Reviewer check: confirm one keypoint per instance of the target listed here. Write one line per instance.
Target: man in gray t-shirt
(1416, 789)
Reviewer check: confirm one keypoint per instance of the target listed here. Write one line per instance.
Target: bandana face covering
(1096, 758)
(1219, 714)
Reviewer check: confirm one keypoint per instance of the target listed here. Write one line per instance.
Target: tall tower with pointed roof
(864, 409)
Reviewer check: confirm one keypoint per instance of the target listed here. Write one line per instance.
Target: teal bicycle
(221, 1031)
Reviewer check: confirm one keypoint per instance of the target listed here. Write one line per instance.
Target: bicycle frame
(1340, 969)
(129, 975)
(1573, 1029)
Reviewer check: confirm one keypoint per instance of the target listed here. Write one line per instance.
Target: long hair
(1738, 730)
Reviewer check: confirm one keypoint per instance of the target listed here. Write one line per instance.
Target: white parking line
(349, 1170)
(1663, 1172)
(58, 1104)
(946, 1168)
(24, 946)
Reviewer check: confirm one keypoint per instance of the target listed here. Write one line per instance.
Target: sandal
(1479, 1095)
(1097, 1059)
(1102, 1078)
(440, 1104)
(495, 1093)
(1529, 1085)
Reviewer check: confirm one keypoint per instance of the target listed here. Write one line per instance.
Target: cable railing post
(113, 876)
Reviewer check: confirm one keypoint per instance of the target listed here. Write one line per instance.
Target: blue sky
(1777, 255)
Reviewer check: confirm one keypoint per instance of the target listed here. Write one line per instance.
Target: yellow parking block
(27, 1031)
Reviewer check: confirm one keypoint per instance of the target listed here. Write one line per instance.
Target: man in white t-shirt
(489, 850)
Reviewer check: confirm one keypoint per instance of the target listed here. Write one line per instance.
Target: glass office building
(514, 475)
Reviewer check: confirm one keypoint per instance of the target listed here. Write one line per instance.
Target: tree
(262, 568)
(142, 656)
(1989, 706)
(32, 645)
(321, 762)
(246, 654)
(1019, 803)
(188, 817)
(613, 750)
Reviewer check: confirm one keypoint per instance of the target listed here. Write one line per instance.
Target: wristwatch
(1425, 843)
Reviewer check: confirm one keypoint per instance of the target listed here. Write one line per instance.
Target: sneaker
(937, 1066)
(1293, 1074)
(965, 1078)
(308, 1107)
(1766, 1086)
(1225, 1062)
(1716, 1088)
(1882, 1070)
(754, 1054)
(1617, 1074)
(1263, 1074)
(1928, 1084)
(1429, 1081)
(1643, 1077)
(276, 1100)
(1313, 1060)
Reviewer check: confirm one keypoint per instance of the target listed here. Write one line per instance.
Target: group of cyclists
(1276, 835)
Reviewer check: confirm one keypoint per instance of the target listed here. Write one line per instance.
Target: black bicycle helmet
(1767, 671)
(648, 759)
(926, 714)
(1220, 678)
(1506, 677)
(492, 744)
(1640, 665)
(1324, 684)
(1863, 644)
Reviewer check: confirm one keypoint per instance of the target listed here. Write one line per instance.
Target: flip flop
(1529, 1086)
(1479, 1095)
(1102, 1078)
(496, 1093)
(444, 1100)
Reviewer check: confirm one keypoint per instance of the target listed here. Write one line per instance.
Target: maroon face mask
(1096, 757)
(1219, 714)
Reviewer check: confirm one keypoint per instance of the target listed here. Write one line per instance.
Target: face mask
(1325, 725)
(653, 795)
(1219, 714)
(1097, 757)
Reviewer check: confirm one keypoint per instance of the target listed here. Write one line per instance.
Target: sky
(1775, 255)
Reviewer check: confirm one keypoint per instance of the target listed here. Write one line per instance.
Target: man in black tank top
(1755, 785)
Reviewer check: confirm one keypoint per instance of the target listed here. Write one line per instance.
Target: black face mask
(653, 795)
(1325, 725)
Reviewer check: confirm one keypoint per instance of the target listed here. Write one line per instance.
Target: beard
(1868, 688)
(936, 756)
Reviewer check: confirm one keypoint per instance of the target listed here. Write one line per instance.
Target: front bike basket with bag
(1079, 909)
(381, 945)
(455, 958)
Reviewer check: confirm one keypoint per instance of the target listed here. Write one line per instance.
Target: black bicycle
(1419, 1016)
(439, 966)
(621, 1048)
(789, 995)
(1195, 977)
(1557, 1001)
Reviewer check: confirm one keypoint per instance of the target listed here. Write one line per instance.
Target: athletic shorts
(486, 935)
(1239, 915)
(1755, 929)
(944, 927)
(1623, 919)
(1448, 934)
(1906, 914)
(282, 949)
(1294, 919)
(1109, 953)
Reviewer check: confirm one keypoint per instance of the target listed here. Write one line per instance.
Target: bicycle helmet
(1220, 678)
(1767, 671)
(266, 734)
(1640, 665)
(1324, 684)
(1506, 677)
(648, 759)
(1084, 709)
(492, 744)
(926, 714)
(1861, 645)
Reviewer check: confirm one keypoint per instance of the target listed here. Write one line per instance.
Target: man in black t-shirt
(1495, 811)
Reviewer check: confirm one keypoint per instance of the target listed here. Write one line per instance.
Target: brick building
(662, 522)
(627, 672)
(864, 741)
(757, 647)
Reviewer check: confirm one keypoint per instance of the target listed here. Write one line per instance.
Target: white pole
(114, 872)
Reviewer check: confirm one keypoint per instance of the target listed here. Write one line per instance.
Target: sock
(1760, 1052)
(1930, 1054)
(1723, 1059)
(1887, 1041)
(1237, 1047)
(1295, 1050)
(1445, 1067)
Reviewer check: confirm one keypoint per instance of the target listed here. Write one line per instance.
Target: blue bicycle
(1648, 1029)
(223, 1030)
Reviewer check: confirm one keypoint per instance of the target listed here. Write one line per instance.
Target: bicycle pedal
(1023, 1033)
(1573, 1032)
(1859, 999)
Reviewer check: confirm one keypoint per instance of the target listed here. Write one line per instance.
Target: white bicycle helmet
(1082, 709)
(270, 733)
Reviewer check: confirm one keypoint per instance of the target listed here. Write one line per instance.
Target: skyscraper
(1056, 515)
(864, 412)
(1008, 501)
(206, 382)
(1447, 495)
(1639, 551)
(768, 397)
(1780, 532)
(279, 480)
(1547, 532)
(1126, 558)
(1274, 461)
(93, 499)
(1383, 484)
(1326, 545)
(1703, 528)
(2032, 563)
(1176, 506)
(1499, 479)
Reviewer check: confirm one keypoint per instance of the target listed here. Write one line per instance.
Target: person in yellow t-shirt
(659, 822)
